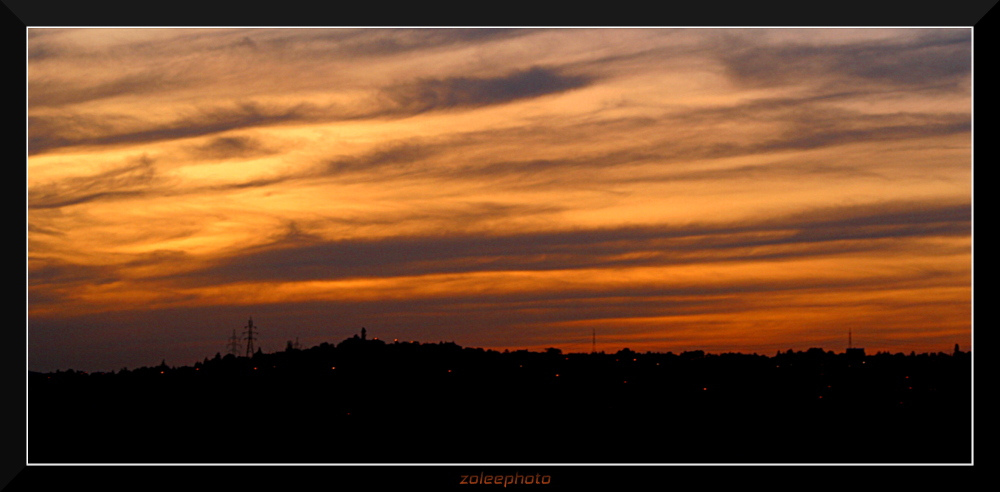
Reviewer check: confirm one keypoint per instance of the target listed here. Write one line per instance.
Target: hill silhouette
(368, 401)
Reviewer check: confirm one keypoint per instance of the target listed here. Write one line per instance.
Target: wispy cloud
(130, 180)
(455, 92)
(821, 233)
(931, 58)
(47, 133)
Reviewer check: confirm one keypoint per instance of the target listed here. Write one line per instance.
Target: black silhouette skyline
(371, 400)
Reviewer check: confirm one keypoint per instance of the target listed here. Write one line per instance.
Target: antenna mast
(233, 347)
(593, 348)
(249, 336)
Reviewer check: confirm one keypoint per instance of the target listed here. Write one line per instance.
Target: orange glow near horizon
(719, 189)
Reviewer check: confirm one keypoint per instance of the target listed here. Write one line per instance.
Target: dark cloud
(38, 229)
(38, 51)
(809, 127)
(230, 148)
(181, 44)
(46, 133)
(42, 47)
(807, 139)
(253, 183)
(61, 92)
(807, 124)
(938, 58)
(38, 33)
(41, 296)
(806, 128)
(889, 214)
(174, 62)
(430, 94)
(821, 232)
(381, 42)
(388, 156)
(246, 42)
(50, 275)
(781, 171)
(63, 274)
(130, 180)
(454, 216)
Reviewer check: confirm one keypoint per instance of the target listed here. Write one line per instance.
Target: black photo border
(16, 474)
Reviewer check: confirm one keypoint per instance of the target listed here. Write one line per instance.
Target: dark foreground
(370, 402)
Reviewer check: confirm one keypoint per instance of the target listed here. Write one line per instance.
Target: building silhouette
(852, 351)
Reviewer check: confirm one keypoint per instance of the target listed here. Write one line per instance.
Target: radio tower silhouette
(593, 348)
(249, 336)
(234, 345)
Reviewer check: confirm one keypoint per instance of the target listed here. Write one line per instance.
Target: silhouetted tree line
(366, 400)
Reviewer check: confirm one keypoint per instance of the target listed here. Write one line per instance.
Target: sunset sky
(746, 190)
